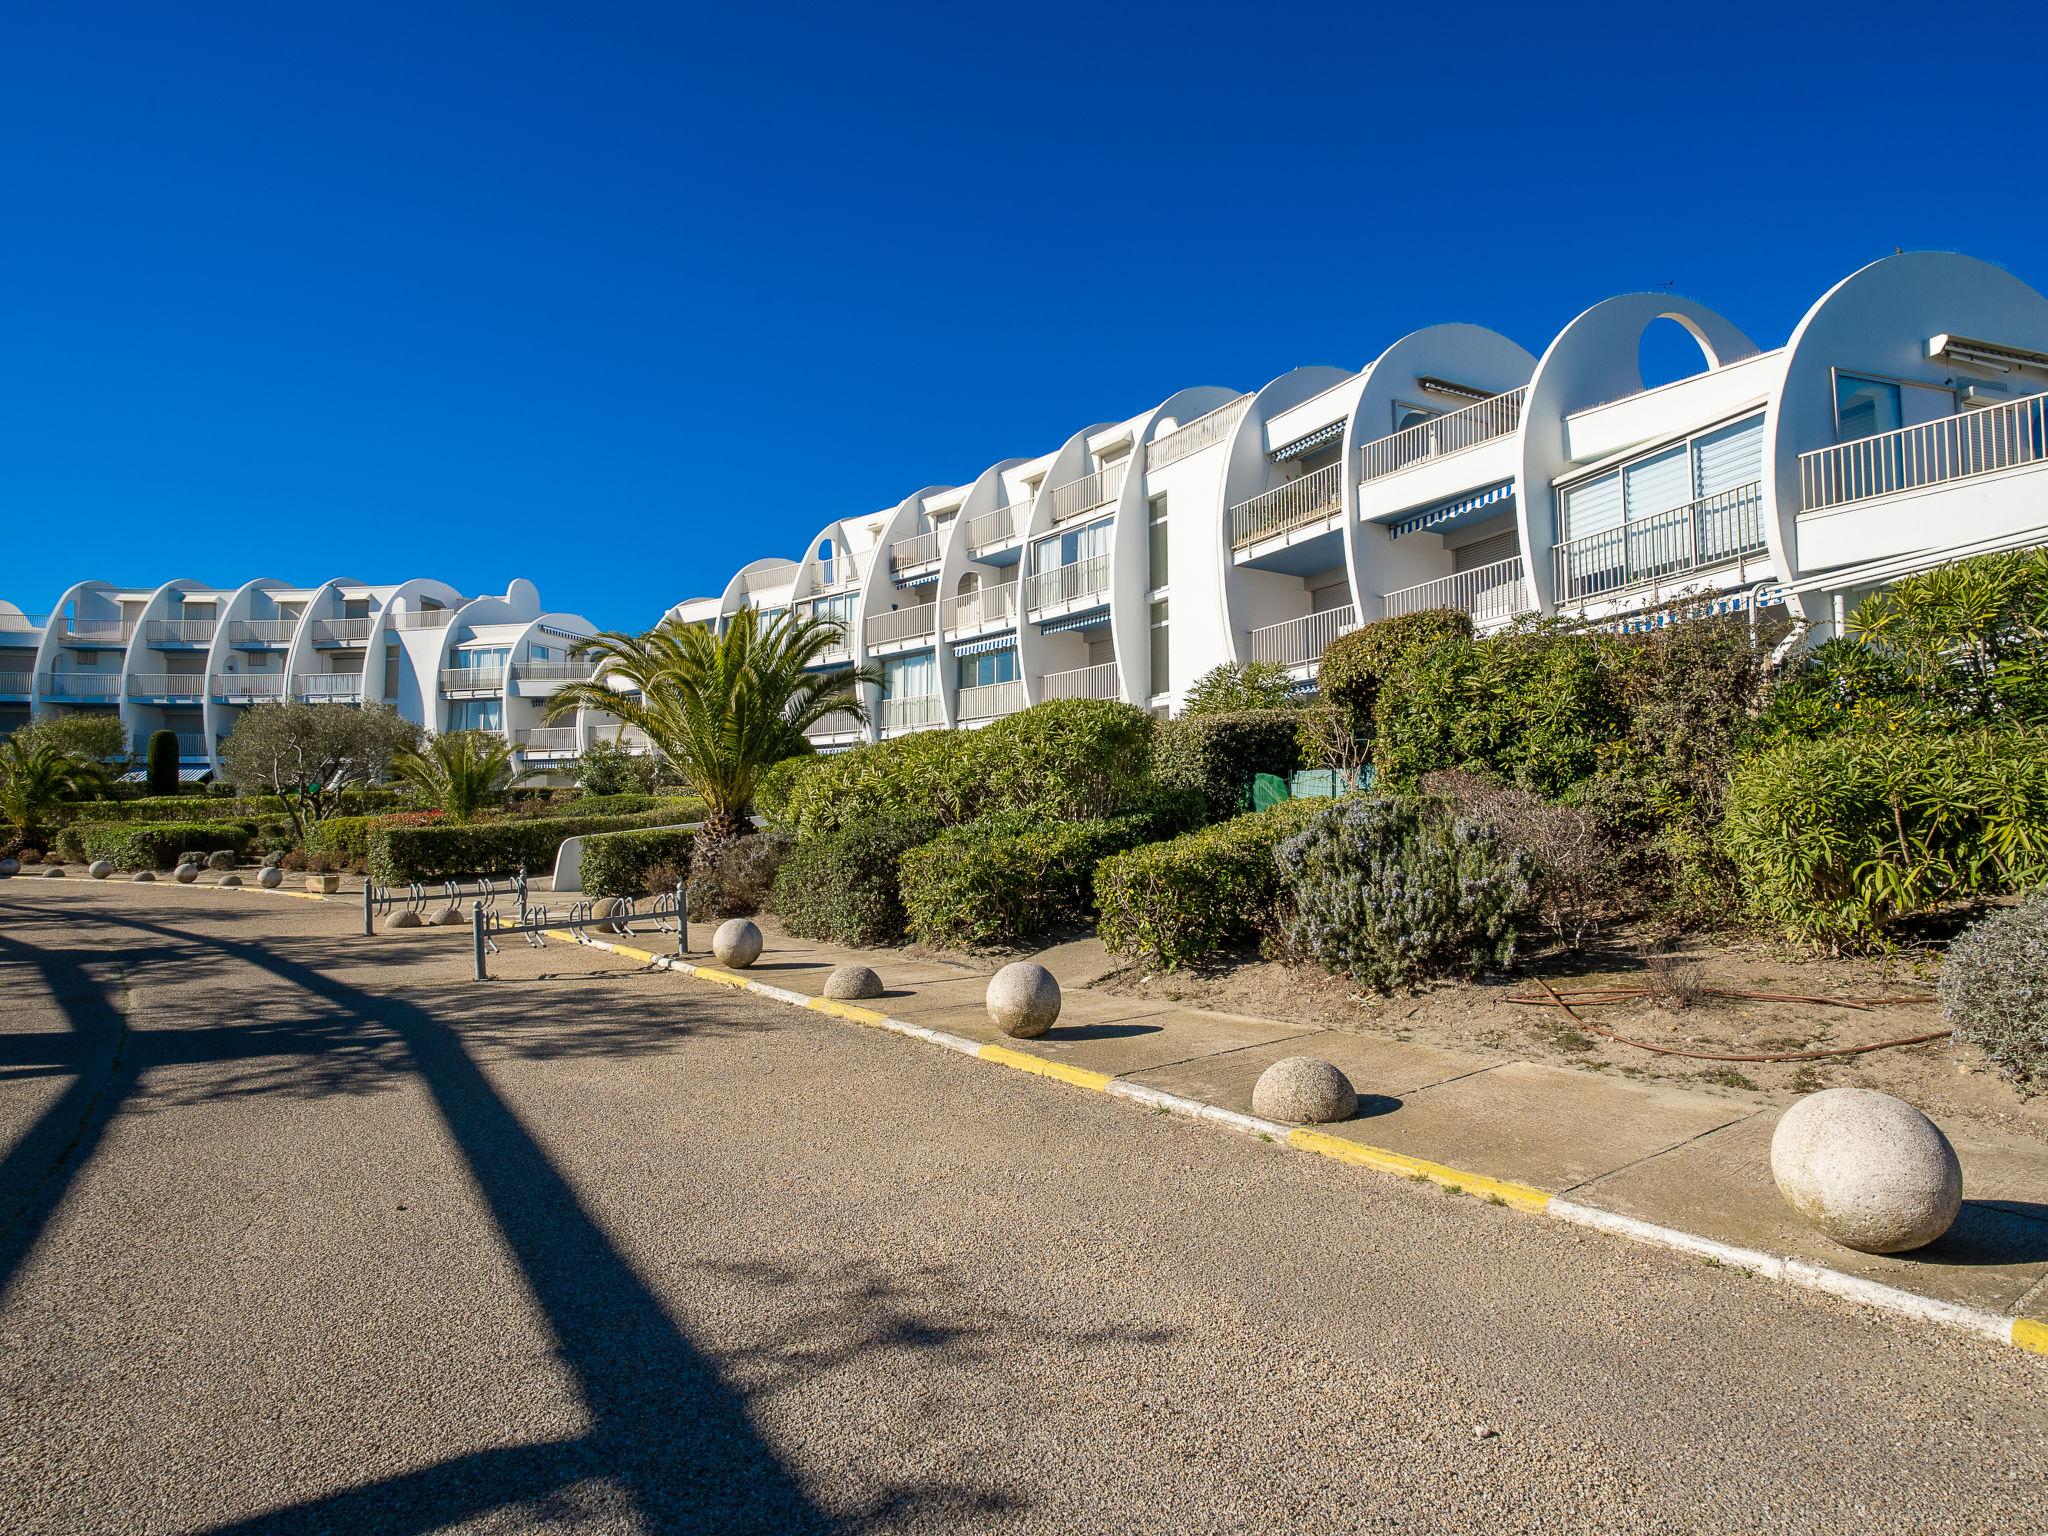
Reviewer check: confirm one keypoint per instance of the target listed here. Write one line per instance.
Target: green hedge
(845, 887)
(1218, 755)
(157, 844)
(616, 863)
(1011, 877)
(227, 807)
(1184, 900)
(398, 855)
(678, 808)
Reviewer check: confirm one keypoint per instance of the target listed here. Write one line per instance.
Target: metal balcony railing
(192, 744)
(1440, 436)
(1970, 443)
(918, 549)
(919, 622)
(1287, 507)
(990, 700)
(1077, 498)
(319, 686)
(555, 738)
(239, 686)
(913, 713)
(181, 631)
(427, 618)
(16, 682)
(990, 529)
(1070, 583)
(341, 631)
(79, 685)
(473, 679)
(1302, 641)
(166, 685)
(98, 631)
(262, 631)
(838, 572)
(987, 608)
(1490, 594)
(23, 623)
(839, 723)
(554, 671)
(1693, 537)
(1096, 682)
(1194, 436)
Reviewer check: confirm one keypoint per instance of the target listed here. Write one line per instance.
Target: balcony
(1489, 594)
(1716, 531)
(547, 741)
(192, 745)
(15, 685)
(918, 550)
(991, 700)
(1077, 498)
(1297, 504)
(1959, 447)
(23, 623)
(1070, 583)
(424, 618)
(838, 573)
(79, 685)
(919, 712)
(997, 529)
(1096, 682)
(328, 687)
(987, 608)
(1202, 432)
(262, 631)
(1441, 436)
(247, 687)
(556, 672)
(1301, 642)
(97, 631)
(456, 680)
(168, 687)
(905, 626)
(353, 631)
(181, 631)
(840, 722)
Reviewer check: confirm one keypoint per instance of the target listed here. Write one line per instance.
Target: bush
(1182, 900)
(626, 863)
(604, 769)
(155, 845)
(1355, 665)
(1838, 838)
(1994, 990)
(1218, 755)
(348, 837)
(773, 795)
(678, 808)
(738, 880)
(160, 764)
(1576, 864)
(844, 887)
(450, 851)
(1395, 889)
(1013, 876)
(1238, 687)
(941, 775)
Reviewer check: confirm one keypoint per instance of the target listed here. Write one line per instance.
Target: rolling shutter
(1593, 507)
(1658, 484)
(1727, 459)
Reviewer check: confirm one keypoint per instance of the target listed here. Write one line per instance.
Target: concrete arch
(956, 562)
(78, 594)
(1069, 463)
(142, 659)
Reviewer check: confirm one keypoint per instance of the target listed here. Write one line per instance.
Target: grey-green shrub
(1994, 990)
(738, 880)
(844, 887)
(155, 844)
(1394, 889)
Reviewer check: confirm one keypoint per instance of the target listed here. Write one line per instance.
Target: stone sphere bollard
(737, 943)
(143, 877)
(185, 874)
(1303, 1090)
(1870, 1171)
(404, 917)
(271, 878)
(1024, 999)
(54, 872)
(9, 867)
(450, 916)
(848, 982)
(230, 880)
(609, 913)
(100, 869)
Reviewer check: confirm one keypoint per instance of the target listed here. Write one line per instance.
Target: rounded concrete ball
(1870, 1171)
(9, 867)
(99, 869)
(143, 877)
(54, 872)
(1024, 999)
(271, 878)
(737, 943)
(848, 982)
(448, 917)
(1303, 1090)
(404, 918)
(185, 874)
(230, 880)
(610, 912)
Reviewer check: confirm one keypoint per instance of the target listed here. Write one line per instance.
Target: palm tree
(35, 776)
(461, 772)
(722, 706)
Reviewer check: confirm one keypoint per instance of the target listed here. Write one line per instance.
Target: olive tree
(309, 753)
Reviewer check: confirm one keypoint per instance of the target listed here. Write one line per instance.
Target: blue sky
(621, 297)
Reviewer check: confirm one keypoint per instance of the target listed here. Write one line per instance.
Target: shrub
(1182, 900)
(1994, 990)
(627, 863)
(155, 845)
(941, 775)
(1354, 665)
(1837, 838)
(678, 808)
(348, 837)
(160, 764)
(1218, 755)
(1576, 864)
(1071, 758)
(844, 887)
(452, 851)
(739, 879)
(1395, 889)
(772, 796)
(604, 769)
(1240, 686)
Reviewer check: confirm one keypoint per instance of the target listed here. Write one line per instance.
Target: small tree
(461, 772)
(34, 777)
(309, 753)
(606, 768)
(162, 762)
(95, 735)
(1237, 686)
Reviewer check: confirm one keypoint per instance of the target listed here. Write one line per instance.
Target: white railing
(914, 713)
(1302, 641)
(1956, 447)
(1096, 682)
(166, 685)
(1194, 436)
(985, 608)
(554, 671)
(181, 631)
(840, 722)
(16, 682)
(989, 529)
(988, 700)
(1284, 508)
(328, 685)
(918, 622)
(423, 618)
(1491, 594)
(341, 631)
(1453, 432)
(192, 744)
(837, 572)
(23, 623)
(1688, 538)
(262, 631)
(633, 739)
(1079, 497)
(1069, 583)
(79, 685)
(472, 679)
(99, 631)
(547, 738)
(247, 685)
(918, 549)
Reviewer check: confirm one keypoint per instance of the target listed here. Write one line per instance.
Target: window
(987, 668)
(1162, 677)
(909, 677)
(1074, 545)
(1713, 464)
(1406, 415)
(1864, 407)
(1157, 508)
(490, 659)
(476, 715)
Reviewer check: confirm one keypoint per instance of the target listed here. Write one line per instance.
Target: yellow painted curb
(723, 978)
(840, 1010)
(1521, 1196)
(2030, 1335)
(558, 933)
(1080, 1077)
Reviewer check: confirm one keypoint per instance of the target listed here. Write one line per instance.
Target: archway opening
(1668, 351)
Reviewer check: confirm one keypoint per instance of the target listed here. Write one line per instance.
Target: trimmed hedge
(1218, 755)
(844, 887)
(450, 851)
(616, 863)
(1354, 666)
(679, 807)
(1011, 877)
(1184, 900)
(348, 837)
(355, 802)
(156, 845)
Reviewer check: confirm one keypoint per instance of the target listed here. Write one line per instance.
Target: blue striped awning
(1321, 437)
(1000, 642)
(1453, 511)
(1706, 608)
(1093, 619)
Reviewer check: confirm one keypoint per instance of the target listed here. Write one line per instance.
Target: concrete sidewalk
(1695, 1162)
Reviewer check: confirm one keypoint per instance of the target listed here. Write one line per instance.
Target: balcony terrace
(167, 687)
(262, 632)
(994, 532)
(79, 685)
(1194, 436)
(1096, 682)
(180, 632)
(986, 608)
(1301, 503)
(247, 687)
(990, 700)
(472, 680)
(1080, 581)
(328, 687)
(918, 712)
(903, 628)
(1959, 447)
(1484, 421)
(1491, 595)
(1078, 498)
(1718, 531)
(1301, 642)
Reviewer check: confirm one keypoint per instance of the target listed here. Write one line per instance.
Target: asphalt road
(301, 1232)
